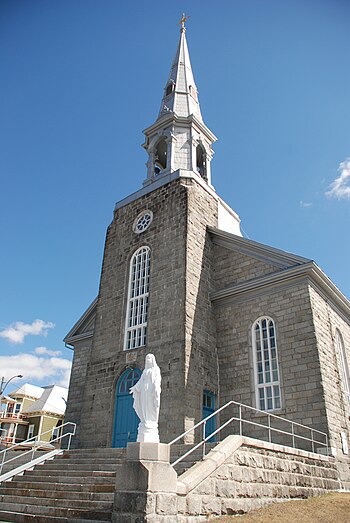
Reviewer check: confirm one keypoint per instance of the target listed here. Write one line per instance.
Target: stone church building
(227, 318)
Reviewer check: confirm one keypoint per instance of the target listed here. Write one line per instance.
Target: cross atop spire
(182, 22)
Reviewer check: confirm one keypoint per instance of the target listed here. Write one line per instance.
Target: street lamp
(3, 387)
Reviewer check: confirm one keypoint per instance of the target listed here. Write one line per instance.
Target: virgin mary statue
(146, 394)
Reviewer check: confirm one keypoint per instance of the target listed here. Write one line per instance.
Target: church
(227, 318)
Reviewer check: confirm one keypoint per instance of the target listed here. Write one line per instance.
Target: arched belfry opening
(170, 88)
(201, 165)
(160, 157)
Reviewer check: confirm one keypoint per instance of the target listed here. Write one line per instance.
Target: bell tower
(179, 141)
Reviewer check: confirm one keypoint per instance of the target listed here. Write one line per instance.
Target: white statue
(146, 394)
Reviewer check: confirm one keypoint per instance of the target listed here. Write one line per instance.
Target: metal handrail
(241, 421)
(37, 442)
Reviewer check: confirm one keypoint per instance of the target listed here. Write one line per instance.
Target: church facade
(227, 318)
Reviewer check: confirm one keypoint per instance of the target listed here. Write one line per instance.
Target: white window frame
(266, 365)
(31, 429)
(344, 368)
(138, 299)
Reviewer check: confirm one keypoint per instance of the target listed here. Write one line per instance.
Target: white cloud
(305, 204)
(340, 187)
(16, 332)
(35, 368)
(43, 350)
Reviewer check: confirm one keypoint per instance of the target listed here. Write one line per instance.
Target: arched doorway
(125, 418)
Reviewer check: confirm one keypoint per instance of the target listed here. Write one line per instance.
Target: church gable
(234, 267)
(239, 260)
(84, 327)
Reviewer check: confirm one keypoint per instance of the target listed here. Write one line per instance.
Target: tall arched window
(267, 381)
(344, 368)
(137, 312)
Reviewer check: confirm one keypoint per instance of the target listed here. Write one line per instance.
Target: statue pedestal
(143, 482)
(147, 451)
(147, 435)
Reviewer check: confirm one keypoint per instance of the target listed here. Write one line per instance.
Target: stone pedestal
(145, 485)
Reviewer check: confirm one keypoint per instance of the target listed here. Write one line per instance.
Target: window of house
(138, 293)
(17, 408)
(267, 382)
(10, 407)
(344, 368)
(30, 431)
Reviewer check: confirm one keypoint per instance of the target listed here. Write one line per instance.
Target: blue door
(125, 418)
(209, 408)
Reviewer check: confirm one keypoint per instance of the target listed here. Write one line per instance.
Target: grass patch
(333, 507)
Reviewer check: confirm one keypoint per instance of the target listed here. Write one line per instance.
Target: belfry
(227, 318)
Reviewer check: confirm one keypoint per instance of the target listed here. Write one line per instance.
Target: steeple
(180, 93)
(179, 141)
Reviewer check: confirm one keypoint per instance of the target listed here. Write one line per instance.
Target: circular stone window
(143, 221)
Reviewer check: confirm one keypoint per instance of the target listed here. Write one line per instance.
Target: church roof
(180, 94)
(84, 327)
(289, 269)
(257, 250)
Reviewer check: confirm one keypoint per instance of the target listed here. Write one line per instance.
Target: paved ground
(331, 508)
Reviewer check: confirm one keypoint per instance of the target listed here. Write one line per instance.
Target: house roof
(27, 391)
(52, 400)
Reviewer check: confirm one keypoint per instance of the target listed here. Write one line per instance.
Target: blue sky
(80, 79)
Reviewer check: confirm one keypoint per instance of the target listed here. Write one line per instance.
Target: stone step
(92, 479)
(94, 453)
(59, 493)
(54, 465)
(65, 487)
(51, 503)
(16, 517)
(85, 459)
(40, 471)
(49, 512)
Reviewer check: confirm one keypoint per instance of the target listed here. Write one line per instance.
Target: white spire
(180, 94)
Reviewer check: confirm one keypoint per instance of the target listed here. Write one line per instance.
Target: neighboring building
(226, 317)
(32, 410)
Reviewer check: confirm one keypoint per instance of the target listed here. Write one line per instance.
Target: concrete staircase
(76, 487)
(181, 449)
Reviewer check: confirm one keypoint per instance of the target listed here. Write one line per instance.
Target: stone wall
(232, 267)
(300, 376)
(75, 398)
(253, 477)
(181, 330)
(327, 319)
(237, 476)
(201, 362)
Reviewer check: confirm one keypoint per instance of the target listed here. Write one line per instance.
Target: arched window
(160, 157)
(267, 382)
(200, 161)
(137, 312)
(344, 368)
